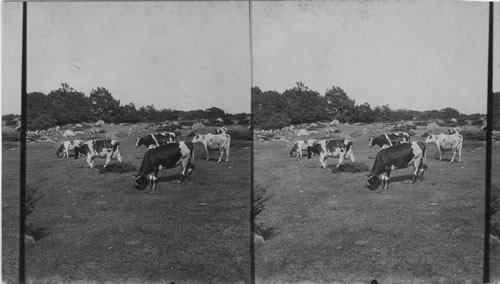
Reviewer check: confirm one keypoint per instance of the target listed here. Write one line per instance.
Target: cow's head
(140, 182)
(77, 151)
(294, 149)
(197, 138)
(373, 182)
(371, 141)
(431, 138)
(138, 142)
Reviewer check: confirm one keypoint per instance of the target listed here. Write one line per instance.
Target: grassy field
(10, 211)
(329, 227)
(495, 243)
(98, 227)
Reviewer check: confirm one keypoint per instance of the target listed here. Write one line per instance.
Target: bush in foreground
(124, 167)
(355, 167)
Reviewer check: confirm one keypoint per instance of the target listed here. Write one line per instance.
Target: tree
(304, 104)
(339, 105)
(104, 106)
(269, 109)
(363, 113)
(69, 105)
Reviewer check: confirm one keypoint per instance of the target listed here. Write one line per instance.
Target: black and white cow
(214, 142)
(220, 130)
(109, 149)
(445, 142)
(389, 139)
(154, 140)
(397, 157)
(332, 148)
(301, 145)
(66, 146)
(165, 157)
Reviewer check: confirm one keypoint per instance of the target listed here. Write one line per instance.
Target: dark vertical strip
(252, 211)
(489, 127)
(23, 150)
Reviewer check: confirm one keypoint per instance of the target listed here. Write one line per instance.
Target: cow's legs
(118, 156)
(108, 159)
(90, 161)
(351, 155)
(184, 166)
(227, 152)
(440, 154)
(206, 150)
(460, 153)
(322, 159)
(341, 158)
(221, 155)
(65, 153)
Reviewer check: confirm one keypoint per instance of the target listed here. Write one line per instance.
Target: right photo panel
(369, 141)
(495, 155)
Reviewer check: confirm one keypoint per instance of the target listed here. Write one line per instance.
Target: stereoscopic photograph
(138, 149)
(369, 141)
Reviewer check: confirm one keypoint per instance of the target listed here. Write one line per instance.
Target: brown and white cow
(389, 139)
(66, 146)
(301, 145)
(397, 157)
(166, 156)
(154, 140)
(446, 142)
(332, 148)
(214, 142)
(109, 149)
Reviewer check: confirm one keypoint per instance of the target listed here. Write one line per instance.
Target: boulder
(335, 122)
(303, 132)
(100, 123)
(69, 133)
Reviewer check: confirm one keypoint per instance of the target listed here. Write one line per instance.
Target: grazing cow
(331, 148)
(454, 130)
(397, 157)
(220, 130)
(389, 139)
(214, 142)
(66, 146)
(301, 145)
(445, 142)
(155, 139)
(166, 156)
(109, 149)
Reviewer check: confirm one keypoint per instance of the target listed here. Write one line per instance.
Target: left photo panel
(138, 149)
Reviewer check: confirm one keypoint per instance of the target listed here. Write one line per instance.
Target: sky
(418, 55)
(175, 55)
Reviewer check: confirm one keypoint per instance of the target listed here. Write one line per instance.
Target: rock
(100, 123)
(302, 132)
(335, 122)
(69, 133)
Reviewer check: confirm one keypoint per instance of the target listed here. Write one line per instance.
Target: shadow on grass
(117, 168)
(266, 232)
(38, 233)
(355, 167)
(258, 205)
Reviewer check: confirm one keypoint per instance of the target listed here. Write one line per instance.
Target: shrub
(31, 199)
(11, 136)
(355, 167)
(261, 232)
(124, 167)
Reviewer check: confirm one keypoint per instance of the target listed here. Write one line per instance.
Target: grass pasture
(495, 241)
(328, 227)
(94, 225)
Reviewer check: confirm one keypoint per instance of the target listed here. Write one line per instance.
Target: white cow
(66, 146)
(301, 145)
(214, 142)
(445, 142)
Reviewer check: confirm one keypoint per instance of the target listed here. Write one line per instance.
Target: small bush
(11, 136)
(355, 167)
(124, 167)
(474, 135)
(494, 212)
(31, 199)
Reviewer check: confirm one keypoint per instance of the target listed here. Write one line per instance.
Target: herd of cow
(397, 152)
(163, 152)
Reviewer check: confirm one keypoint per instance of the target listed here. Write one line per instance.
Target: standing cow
(445, 142)
(66, 146)
(389, 139)
(301, 145)
(109, 149)
(397, 157)
(154, 140)
(166, 156)
(332, 148)
(214, 142)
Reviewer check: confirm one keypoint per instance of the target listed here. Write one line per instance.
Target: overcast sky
(408, 54)
(175, 55)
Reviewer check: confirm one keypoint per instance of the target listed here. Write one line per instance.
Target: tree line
(300, 104)
(66, 105)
